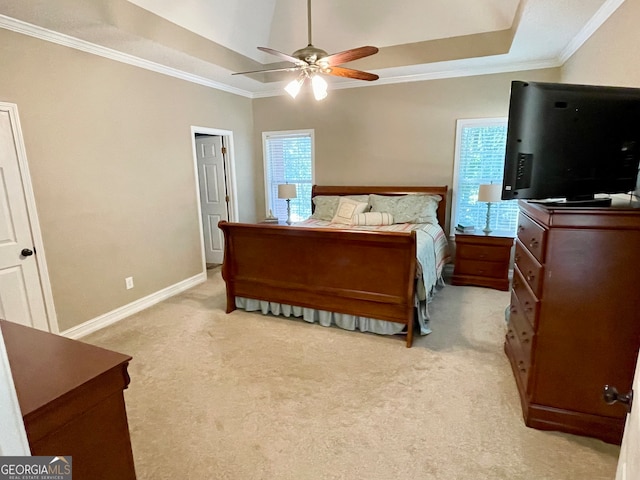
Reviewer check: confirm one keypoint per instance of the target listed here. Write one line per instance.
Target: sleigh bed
(370, 278)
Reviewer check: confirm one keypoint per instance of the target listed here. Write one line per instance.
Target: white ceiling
(207, 40)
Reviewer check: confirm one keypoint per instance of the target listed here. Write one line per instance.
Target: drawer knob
(611, 396)
(520, 228)
(530, 276)
(517, 257)
(533, 243)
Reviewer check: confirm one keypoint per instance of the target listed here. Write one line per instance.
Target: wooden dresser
(574, 319)
(71, 397)
(482, 259)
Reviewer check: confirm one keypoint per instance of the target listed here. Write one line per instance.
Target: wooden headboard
(357, 190)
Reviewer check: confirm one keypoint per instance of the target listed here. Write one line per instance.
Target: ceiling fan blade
(350, 55)
(286, 69)
(350, 73)
(284, 56)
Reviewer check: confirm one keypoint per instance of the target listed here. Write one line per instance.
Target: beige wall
(110, 155)
(109, 150)
(610, 56)
(402, 134)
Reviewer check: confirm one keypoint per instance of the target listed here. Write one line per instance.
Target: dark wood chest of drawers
(482, 259)
(574, 319)
(71, 397)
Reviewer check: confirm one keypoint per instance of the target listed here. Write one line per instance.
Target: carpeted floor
(243, 396)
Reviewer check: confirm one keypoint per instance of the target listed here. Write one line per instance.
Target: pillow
(414, 208)
(347, 208)
(372, 218)
(326, 205)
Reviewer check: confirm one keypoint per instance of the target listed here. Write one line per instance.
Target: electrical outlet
(128, 282)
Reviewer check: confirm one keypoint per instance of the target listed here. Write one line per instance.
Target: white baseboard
(118, 314)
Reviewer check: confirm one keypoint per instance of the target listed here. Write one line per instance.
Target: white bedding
(432, 254)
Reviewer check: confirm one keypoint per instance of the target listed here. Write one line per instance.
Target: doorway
(215, 172)
(25, 291)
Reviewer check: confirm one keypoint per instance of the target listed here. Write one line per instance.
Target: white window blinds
(479, 159)
(288, 158)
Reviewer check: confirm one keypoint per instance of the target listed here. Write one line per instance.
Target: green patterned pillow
(414, 208)
(327, 205)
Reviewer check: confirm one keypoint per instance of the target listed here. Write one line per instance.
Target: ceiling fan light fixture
(319, 85)
(310, 61)
(294, 86)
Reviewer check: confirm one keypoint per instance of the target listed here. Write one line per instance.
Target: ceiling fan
(311, 61)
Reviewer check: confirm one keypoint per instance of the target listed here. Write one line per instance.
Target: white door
(210, 153)
(629, 461)
(21, 294)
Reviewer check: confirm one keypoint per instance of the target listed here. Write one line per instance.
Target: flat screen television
(567, 143)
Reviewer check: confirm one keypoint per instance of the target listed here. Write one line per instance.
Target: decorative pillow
(327, 205)
(347, 208)
(413, 208)
(373, 218)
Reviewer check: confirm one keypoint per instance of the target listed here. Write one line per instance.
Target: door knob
(611, 396)
(26, 252)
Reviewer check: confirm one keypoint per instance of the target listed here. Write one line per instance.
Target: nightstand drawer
(483, 252)
(482, 269)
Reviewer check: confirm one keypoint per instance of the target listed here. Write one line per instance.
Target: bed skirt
(343, 320)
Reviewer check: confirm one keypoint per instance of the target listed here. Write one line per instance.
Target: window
(479, 158)
(288, 158)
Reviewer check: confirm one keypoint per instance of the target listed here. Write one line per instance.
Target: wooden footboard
(370, 274)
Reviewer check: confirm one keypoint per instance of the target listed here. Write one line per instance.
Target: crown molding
(601, 16)
(607, 9)
(47, 35)
(436, 75)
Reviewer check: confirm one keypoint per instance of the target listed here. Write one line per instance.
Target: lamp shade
(490, 193)
(287, 190)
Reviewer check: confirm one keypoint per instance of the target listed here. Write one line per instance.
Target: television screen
(571, 142)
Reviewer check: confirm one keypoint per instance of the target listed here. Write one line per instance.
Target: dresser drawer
(528, 300)
(529, 267)
(481, 269)
(520, 326)
(520, 359)
(532, 236)
(483, 252)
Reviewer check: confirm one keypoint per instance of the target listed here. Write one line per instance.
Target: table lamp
(489, 193)
(287, 191)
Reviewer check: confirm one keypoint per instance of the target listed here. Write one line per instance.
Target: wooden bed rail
(369, 274)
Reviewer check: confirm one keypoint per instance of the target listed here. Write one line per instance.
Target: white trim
(437, 75)
(229, 172)
(604, 12)
(450, 72)
(101, 51)
(32, 213)
(125, 311)
(13, 437)
(461, 123)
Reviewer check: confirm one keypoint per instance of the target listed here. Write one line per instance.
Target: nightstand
(482, 259)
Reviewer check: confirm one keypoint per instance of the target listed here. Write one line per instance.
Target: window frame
(307, 132)
(461, 124)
